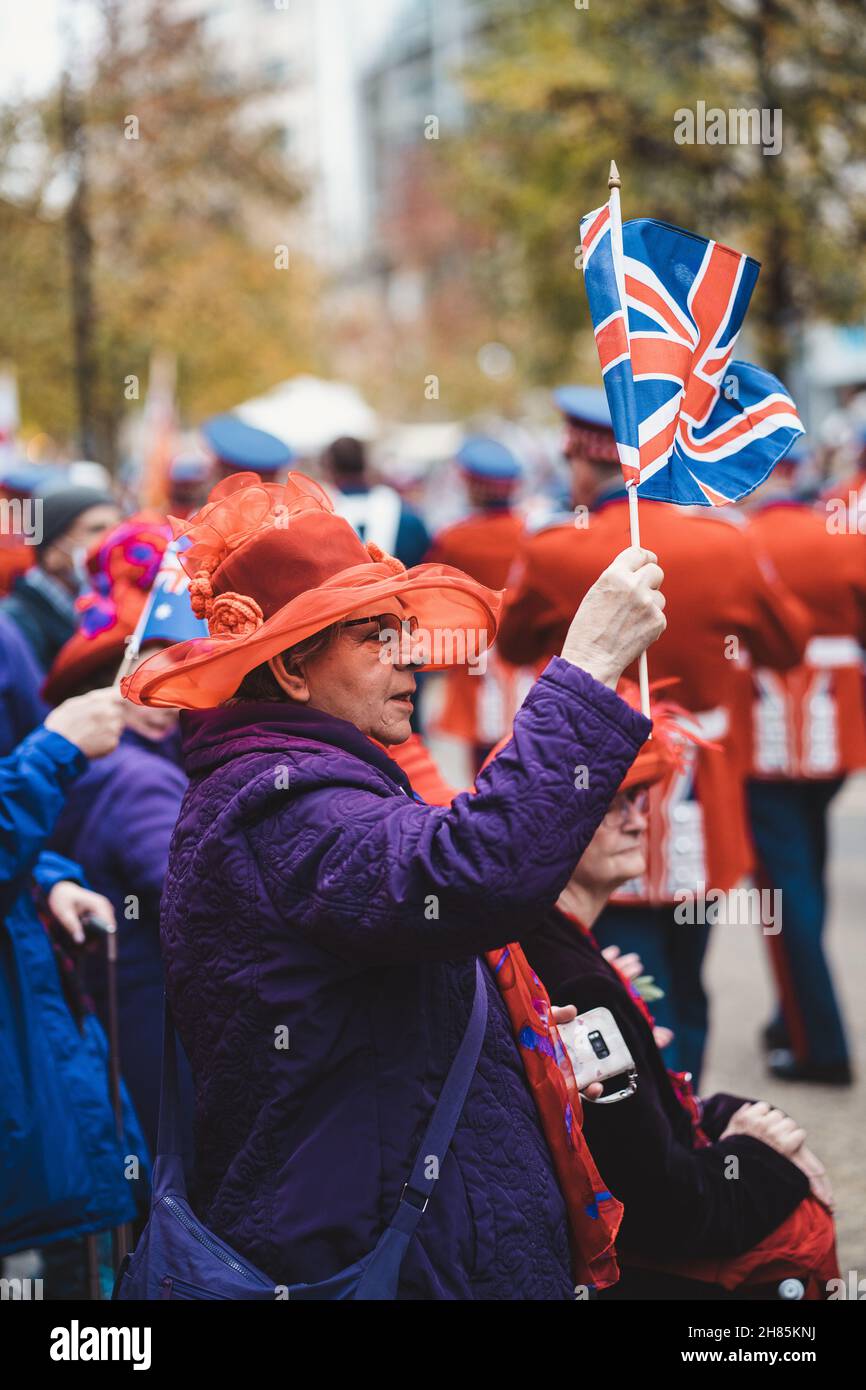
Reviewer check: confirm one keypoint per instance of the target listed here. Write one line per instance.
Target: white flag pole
(642, 665)
(133, 642)
(614, 183)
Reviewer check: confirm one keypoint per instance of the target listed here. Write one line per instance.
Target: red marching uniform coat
(721, 598)
(810, 722)
(842, 503)
(480, 708)
(16, 557)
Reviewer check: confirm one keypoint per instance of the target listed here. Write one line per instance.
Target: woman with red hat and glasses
(689, 1229)
(313, 900)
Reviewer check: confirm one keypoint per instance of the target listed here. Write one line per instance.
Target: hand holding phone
(599, 1054)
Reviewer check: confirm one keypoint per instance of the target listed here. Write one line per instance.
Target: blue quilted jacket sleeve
(381, 878)
(33, 783)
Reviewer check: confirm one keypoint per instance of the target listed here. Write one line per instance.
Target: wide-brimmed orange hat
(271, 564)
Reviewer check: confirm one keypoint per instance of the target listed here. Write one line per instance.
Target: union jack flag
(691, 425)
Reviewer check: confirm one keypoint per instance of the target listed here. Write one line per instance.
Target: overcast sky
(31, 36)
(29, 46)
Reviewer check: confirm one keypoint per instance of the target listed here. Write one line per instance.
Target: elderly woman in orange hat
(370, 1095)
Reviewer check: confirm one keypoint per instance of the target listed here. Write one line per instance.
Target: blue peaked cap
(585, 404)
(487, 458)
(239, 444)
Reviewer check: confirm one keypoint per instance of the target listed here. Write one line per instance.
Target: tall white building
(313, 52)
(355, 80)
(414, 77)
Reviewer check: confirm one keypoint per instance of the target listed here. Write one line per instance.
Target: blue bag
(177, 1257)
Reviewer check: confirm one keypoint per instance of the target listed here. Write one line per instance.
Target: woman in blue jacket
(65, 1173)
(119, 817)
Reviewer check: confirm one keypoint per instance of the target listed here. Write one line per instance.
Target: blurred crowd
(759, 707)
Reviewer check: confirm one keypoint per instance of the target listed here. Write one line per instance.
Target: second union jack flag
(691, 425)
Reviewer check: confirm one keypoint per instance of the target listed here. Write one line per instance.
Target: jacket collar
(212, 737)
(36, 583)
(612, 492)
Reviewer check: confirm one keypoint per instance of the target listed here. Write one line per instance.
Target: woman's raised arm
(378, 878)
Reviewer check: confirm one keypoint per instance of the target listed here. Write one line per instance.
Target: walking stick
(121, 1235)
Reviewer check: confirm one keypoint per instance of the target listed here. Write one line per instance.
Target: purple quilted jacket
(312, 899)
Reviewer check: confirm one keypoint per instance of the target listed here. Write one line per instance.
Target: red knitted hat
(122, 567)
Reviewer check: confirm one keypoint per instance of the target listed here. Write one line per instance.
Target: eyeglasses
(387, 624)
(633, 801)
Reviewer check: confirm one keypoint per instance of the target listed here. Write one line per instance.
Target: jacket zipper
(177, 1210)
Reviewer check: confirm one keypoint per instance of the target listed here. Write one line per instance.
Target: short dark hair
(346, 457)
(261, 684)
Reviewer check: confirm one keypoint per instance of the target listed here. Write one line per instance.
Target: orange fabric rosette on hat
(271, 564)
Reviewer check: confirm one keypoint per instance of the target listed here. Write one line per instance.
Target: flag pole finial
(613, 178)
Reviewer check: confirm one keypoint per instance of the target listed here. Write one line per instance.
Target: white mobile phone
(598, 1052)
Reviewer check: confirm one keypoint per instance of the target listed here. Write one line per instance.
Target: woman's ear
(293, 683)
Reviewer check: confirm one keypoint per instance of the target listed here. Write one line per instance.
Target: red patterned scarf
(594, 1214)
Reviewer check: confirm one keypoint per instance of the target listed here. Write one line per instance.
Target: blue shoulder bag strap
(379, 1280)
(168, 1168)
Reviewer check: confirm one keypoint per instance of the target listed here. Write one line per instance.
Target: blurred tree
(170, 180)
(34, 326)
(560, 90)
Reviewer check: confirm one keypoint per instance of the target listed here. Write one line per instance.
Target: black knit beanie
(61, 508)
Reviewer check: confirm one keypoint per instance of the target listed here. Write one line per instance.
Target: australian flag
(691, 425)
(167, 615)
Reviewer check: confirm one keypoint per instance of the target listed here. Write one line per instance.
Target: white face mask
(79, 565)
(77, 557)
